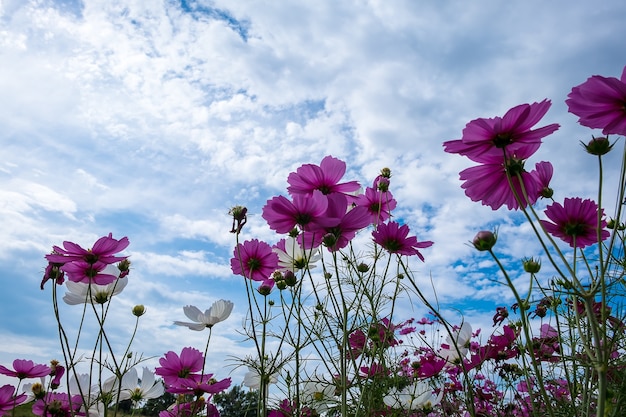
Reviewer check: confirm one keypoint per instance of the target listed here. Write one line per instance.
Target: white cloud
(151, 121)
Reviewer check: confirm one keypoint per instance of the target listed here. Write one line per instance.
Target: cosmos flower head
(175, 369)
(81, 292)
(57, 404)
(324, 177)
(489, 183)
(197, 385)
(104, 250)
(484, 139)
(219, 311)
(379, 203)
(8, 401)
(254, 259)
(339, 225)
(293, 257)
(282, 215)
(575, 222)
(137, 390)
(252, 378)
(23, 369)
(395, 239)
(415, 396)
(600, 103)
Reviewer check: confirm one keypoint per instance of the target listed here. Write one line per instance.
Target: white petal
(192, 326)
(193, 313)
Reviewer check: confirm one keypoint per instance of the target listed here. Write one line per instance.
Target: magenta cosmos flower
(179, 370)
(575, 222)
(324, 178)
(103, 250)
(600, 102)
(488, 183)
(339, 225)
(254, 259)
(23, 368)
(395, 239)
(58, 405)
(378, 203)
(200, 384)
(283, 215)
(510, 135)
(7, 400)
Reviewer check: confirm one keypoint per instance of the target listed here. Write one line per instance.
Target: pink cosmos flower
(283, 215)
(198, 385)
(178, 370)
(8, 401)
(184, 409)
(484, 139)
(89, 273)
(394, 238)
(575, 222)
(378, 203)
(254, 260)
(543, 175)
(58, 405)
(23, 369)
(53, 272)
(339, 224)
(488, 183)
(600, 102)
(324, 178)
(357, 342)
(103, 251)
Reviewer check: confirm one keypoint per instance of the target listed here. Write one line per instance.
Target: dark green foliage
(237, 402)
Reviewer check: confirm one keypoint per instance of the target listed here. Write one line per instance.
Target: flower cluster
(330, 336)
(322, 211)
(88, 266)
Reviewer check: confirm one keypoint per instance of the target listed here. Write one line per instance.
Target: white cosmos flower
(319, 395)
(294, 257)
(96, 398)
(252, 378)
(457, 343)
(137, 389)
(80, 292)
(219, 311)
(416, 396)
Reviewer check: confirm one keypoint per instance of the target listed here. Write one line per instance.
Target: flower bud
(385, 173)
(38, 391)
(329, 240)
(362, 267)
(240, 217)
(613, 224)
(290, 278)
(139, 310)
(124, 266)
(546, 192)
(598, 146)
(531, 265)
(484, 240)
(265, 288)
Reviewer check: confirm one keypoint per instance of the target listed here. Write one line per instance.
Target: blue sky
(151, 119)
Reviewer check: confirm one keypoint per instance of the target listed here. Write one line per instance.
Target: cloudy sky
(151, 119)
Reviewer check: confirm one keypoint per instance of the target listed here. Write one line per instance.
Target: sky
(152, 119)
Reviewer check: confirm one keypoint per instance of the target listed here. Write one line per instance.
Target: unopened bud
(139, 310)
(290, 278)
(531, 265)
(485, 240)
(598, 146)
